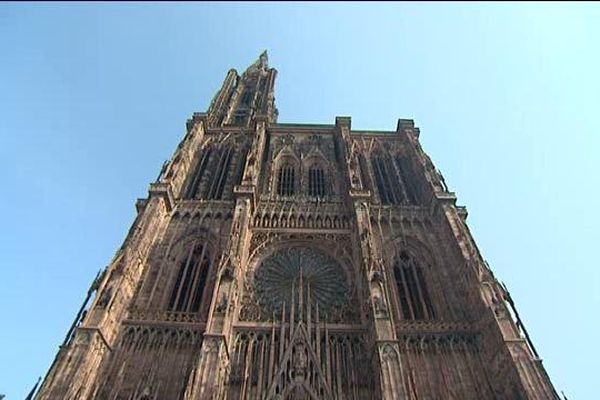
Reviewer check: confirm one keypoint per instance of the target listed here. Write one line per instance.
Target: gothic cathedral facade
(296, 261)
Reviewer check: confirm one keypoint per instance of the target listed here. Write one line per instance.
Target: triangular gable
(300, 337)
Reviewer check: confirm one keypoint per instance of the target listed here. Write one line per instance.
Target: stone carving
(227, 270)
(222, 305)
(354, 166)
(380, 307)
(441, 180)
(106, 297)
(145, 394)
(300, 362)
(301, 270)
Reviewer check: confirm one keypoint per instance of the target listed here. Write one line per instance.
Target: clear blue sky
(94, 97)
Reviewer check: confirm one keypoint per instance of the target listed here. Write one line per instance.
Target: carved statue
(106, 297)
(222, 305)
(355, 181)
(251, 163)
(441, 179)
(379, 304)
(264, 60)
(228, 272)
(498, 307)
(375, 275)
(162, 170)
(145, 394)
(300, 361)
(83, 315)
(353, 165)
(98, 280)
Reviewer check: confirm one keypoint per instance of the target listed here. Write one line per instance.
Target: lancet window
(239, 117)
(286, 178)
(241, 164)
(364, 174)
(194, 187)
(408, 184)
(316, 181)
(413, 296)
(247, 98)
(219, 179)
(389, 188)
(190, 282)
(213, 186)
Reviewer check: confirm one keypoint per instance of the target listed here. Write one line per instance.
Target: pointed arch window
(388, 188)
(219, 179)
(364, 172)
(413, 296)
(194, 187)
(286, 178)
(408, 183)
(239, 118)
(187, 291)
(247, 98)
(316, 181)
(241, 164)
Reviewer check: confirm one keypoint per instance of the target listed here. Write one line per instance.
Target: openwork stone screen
(294, 270)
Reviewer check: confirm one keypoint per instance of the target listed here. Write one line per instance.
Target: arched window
(247, 98)
(408, 183)
(239, 117)
(316, 181)
(413, 295)
(364, 174)
(241, 164)
(194, 186)
(186, 295)
(219, 179)
(286, 180)
(388, 187)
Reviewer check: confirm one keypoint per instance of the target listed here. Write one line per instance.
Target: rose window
(282, 274)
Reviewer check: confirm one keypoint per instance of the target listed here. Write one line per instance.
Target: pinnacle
(263, 59)
(261, 63)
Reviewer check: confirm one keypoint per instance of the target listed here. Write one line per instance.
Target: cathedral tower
(296, 261)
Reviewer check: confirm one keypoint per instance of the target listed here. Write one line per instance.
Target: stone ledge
(462, 212)
(244, 191)
(196, 118)
(359, 194)
(162, 190)
(140, 205)
(433, 327)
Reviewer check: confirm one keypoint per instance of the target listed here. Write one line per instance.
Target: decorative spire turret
(244, 97)
(260, 65)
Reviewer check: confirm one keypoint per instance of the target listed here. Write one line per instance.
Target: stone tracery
(301, 270)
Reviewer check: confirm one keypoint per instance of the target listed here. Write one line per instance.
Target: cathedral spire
(264, 59)
(244, 97)
(261, 64)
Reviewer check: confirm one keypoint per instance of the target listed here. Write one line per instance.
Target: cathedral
(296, 261)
